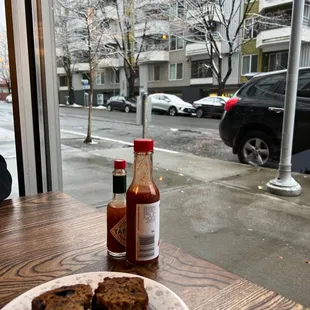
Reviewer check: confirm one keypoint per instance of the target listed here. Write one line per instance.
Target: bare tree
(129, 33)
(219, 25)
(4, 61)
(89, 34)
(66, 49)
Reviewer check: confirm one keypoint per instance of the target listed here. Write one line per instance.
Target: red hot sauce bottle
(142, 215)
(116, 212)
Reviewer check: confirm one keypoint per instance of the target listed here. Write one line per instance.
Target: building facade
(170, 61)
(173, 60)
(267, 35)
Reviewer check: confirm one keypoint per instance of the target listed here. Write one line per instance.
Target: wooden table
(52, 235)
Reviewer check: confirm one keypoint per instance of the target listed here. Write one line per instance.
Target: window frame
(252, 30)
(151, 78)
(65, 78)
(177, 36)
(113, 79)
(176, 73)
(101, 74)
(250, 64)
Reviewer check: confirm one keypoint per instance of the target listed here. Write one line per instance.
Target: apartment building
(172, 60)
(267, 35)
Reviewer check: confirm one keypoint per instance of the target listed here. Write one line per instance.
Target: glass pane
(151, 73)
(284, 60)
(180, 43)
(254, 63)
(179, 71)
(172, 72)
(245, 64)
(156, 73)
(172, 42)
(272, 62)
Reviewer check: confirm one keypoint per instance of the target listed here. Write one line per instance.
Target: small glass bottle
(142, 214)
(116, 212)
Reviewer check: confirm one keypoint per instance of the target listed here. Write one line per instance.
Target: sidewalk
(217, 210)
(214, 209)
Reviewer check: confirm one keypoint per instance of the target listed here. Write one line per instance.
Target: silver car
(171, 104)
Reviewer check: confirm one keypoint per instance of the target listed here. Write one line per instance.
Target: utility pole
(284, 184)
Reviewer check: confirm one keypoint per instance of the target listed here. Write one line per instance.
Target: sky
(2, 15)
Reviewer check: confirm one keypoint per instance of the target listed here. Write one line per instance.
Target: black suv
(252, 121)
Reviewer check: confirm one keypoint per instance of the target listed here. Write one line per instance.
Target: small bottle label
(147, 231)
(119, 231)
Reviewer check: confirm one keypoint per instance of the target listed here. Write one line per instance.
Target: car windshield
(176, 99)
(133, 100)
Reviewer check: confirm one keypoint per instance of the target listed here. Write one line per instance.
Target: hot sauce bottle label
(119, 231)
(147, 231)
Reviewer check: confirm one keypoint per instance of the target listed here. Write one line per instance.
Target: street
(180, 133)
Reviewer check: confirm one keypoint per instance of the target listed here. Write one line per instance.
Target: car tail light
(231, 103)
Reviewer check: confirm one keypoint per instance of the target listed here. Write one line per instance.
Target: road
(180, 133)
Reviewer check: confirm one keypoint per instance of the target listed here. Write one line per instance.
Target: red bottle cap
(143, 145)
(119, 164)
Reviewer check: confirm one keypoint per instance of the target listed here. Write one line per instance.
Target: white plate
(160, 297)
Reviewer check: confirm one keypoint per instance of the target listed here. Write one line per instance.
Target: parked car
(122, 103)
(8, 99)
(210, 106)
(171, 104)
(252, 121)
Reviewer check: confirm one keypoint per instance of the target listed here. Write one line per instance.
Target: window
(249, 64)
(303, 88)
(115, 76)
(63, 81)
(176, 71)
(277, 61)
(100, 78)
(154, 73)
(177, 10)
(100, 99)
(176, 42)
(250, 28)
(201, 69)
(85, 76)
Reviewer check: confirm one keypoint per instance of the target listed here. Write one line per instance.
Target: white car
(8, 99)
(171, 104)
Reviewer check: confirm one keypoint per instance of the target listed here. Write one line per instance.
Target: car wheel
(127, 108)
(255, 149)
(109, 107)
(199, 113)
(173, 111)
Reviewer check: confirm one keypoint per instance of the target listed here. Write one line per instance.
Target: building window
(201, 69)
(63, 81)
(154, 73)
(176, 71)
(277, 61)
(85, 76)
(115, 76)
(100, 99)
(177, 10)
(176, 42)
(249, 64)
(250, 28)
(100, 78)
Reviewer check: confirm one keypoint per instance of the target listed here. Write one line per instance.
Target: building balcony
(271, 39)
(154, 56)
(109, 62)
(153, 27)
(266, 4)
(194, 49)
(201, 81)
